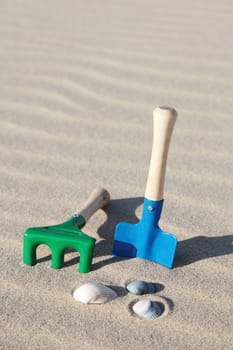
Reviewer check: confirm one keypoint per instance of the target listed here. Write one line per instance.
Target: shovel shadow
(202, 247)
(118, 210)
(187, 252)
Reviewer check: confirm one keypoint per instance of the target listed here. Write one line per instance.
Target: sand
(78, 84)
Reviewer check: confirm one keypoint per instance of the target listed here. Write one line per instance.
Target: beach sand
(78, 84)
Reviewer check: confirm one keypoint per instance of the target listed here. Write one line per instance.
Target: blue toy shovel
(145, 239)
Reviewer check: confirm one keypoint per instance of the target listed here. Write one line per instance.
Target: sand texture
(78, 84)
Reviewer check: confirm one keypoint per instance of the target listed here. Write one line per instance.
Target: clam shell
(147, 309)
(94, 293)
(141, 287)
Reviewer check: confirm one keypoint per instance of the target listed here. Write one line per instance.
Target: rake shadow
(67, 263)
(118, 210)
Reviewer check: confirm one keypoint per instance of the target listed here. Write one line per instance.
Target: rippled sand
(78, 84)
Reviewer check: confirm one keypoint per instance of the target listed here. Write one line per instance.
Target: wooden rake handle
(163, 123)
(97, 199)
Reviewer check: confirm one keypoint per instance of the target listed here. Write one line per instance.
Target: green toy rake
(66, 235)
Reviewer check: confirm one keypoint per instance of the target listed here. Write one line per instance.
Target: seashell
(94, 293)
(147, 309)
(141, 287)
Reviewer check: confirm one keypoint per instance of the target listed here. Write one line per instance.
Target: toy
(66, 235)
(145, 239)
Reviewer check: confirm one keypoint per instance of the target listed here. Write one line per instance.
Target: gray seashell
(147, 309)
(141, 287)
(94, 293)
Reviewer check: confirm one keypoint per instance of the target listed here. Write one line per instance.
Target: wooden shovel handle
(97, 199)
(163, 123)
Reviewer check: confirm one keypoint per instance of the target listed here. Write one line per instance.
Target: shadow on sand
(188, 251)
(202, 247)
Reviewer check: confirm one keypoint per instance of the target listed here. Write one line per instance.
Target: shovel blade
(160, 249)
(133, 240)
(124, 241)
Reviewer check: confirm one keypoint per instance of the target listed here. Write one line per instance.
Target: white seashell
(147, 309)
(94, 293)
(141, 287)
